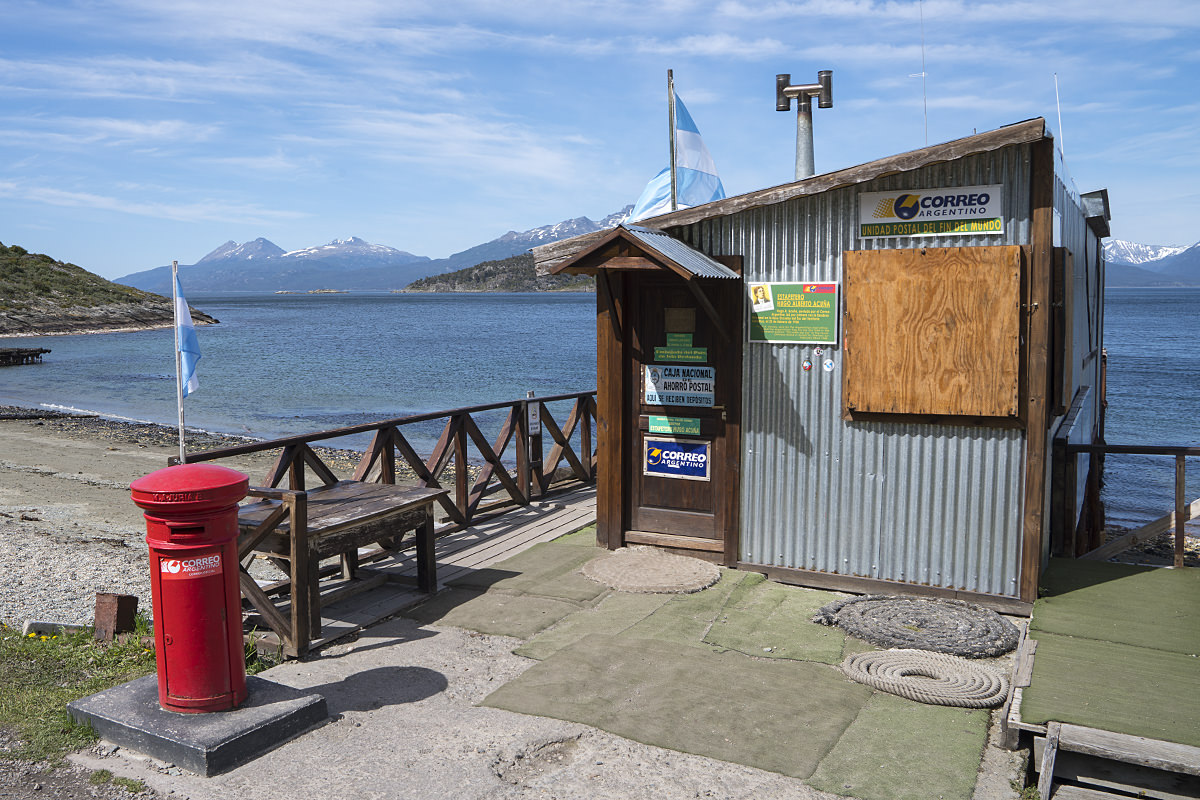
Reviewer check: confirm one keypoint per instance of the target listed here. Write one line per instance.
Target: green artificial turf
(1114, 687)
(549, 570)
(612, 615)
(900, 750)
(771, 620)
(1141, 606)
(686, 618)
(777, 715)
(499, 614)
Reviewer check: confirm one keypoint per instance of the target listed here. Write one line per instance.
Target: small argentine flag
(185, 342)
(696, 180)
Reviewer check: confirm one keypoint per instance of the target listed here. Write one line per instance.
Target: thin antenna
(1061, 147)
(924, 93)
(922, 73)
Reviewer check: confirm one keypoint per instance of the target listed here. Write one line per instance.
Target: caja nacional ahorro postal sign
(956, 211)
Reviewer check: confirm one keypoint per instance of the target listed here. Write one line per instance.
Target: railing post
(523, 474)
(1180, 507)
(461, 489)
(534, 420)
(585, 437)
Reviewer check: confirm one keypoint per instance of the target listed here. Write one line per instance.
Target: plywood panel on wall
(932, 331)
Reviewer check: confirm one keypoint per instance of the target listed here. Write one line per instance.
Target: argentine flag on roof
(696, 180)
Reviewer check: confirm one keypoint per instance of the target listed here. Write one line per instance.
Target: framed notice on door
(672, 458)
(794, 313)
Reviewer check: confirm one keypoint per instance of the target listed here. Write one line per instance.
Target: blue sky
(134, 132)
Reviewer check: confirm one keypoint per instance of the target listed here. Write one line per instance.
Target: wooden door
(684, 384)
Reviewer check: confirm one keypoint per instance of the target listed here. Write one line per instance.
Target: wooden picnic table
(304, 527)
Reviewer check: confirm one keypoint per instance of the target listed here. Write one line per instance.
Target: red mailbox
(191, 528)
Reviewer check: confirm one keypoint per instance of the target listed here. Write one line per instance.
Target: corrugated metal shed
(930, 504)
(868, 502)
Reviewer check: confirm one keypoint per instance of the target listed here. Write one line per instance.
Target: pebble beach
(68, 527)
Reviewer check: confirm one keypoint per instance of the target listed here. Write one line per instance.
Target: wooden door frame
(616, 417)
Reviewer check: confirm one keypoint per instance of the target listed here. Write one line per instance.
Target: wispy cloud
(278, 162)
(208, 210)
(87, 131)
(453, 142)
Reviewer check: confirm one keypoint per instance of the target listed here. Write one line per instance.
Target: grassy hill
(513, 274)
(41, 296)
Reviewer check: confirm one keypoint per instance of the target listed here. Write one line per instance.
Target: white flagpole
(178, 358)
(671, 120)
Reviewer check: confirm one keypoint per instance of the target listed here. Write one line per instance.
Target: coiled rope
(933, 678)
(942, 625)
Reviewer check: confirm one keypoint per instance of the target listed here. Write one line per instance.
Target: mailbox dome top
(193, 487)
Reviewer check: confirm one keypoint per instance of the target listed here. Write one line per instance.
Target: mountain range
(1130, 264)
(261, 265)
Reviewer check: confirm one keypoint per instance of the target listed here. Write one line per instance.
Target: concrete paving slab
(129, 715)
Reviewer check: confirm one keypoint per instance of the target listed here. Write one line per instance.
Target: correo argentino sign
(957, 211)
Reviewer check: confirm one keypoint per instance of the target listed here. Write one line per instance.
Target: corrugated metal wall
(929, 504)
(1087, 307)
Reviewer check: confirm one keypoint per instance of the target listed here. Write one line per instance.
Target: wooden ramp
(1106, 682)
(477, 547)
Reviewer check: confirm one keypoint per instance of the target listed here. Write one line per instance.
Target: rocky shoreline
(102, 319)
(150, 434)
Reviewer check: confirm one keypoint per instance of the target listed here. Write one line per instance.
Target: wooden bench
(337, 519)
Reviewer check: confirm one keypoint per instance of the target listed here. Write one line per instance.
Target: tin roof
(669, 247)
(636, 247)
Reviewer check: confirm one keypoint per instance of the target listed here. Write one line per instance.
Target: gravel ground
(68, 526)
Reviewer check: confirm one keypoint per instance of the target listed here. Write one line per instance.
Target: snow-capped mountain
(351, 263)
(259, 248)
(1132, 264)
(261, 265)
(514, 242)
(353, 246)
(1119, 251)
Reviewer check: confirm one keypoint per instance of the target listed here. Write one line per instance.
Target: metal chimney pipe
(784, 92)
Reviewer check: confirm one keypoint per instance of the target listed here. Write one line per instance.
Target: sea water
(279, 365)
(1153, 342)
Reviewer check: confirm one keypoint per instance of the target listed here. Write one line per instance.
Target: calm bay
(285, 364)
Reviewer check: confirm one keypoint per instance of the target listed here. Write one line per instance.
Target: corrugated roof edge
(1024, 132)
(689, 259)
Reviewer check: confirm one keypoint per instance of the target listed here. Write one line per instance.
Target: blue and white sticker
(672, 458)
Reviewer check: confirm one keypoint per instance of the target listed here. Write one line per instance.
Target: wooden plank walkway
(478, 547)
(1105, 681)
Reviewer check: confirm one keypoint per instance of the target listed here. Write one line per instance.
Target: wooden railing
(514, 467)
(1176, 519)
(1079, 535)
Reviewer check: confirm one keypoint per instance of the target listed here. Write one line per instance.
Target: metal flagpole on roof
(671, 122)
(178, 357)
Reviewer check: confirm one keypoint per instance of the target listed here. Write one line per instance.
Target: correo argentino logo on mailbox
(198, 567)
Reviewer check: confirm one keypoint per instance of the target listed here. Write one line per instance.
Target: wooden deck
(1106, 682)
(477, 547)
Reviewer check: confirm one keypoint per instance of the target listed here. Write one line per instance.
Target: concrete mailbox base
(129, 715)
